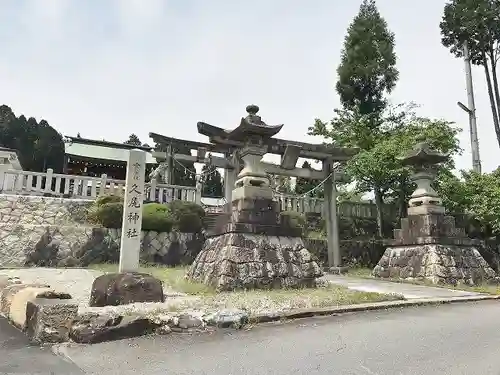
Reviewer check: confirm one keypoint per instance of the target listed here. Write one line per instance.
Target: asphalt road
(18, 356)
(450, 339)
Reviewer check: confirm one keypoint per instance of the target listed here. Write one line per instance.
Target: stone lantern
(428, 245)
(424, 161)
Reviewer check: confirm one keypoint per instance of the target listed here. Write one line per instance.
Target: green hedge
(187, 216)
(109, 215)
(107, 211)
(156, 217)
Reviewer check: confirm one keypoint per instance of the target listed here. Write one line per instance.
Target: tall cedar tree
(133, 140)
(367, 68)
(367, 73)
(476, 22)
(211, 181)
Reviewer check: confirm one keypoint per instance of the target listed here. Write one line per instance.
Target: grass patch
(171, 276)
(257, 300)
(360, 272)
(286, 299)
(484, 288)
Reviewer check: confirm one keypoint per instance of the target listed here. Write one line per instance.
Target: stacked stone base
(233, 261)
(440, 264)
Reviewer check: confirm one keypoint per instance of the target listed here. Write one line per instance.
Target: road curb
(53, 318)
(325, 311)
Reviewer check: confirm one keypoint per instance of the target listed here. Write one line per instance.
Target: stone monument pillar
(129, 285)
(130, 243)
(252, 247)
(428, 245)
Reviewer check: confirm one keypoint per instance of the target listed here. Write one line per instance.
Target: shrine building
(90, 157)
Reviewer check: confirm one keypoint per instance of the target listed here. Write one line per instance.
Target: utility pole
(471, 110)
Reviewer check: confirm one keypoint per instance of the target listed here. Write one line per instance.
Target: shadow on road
(19, 356)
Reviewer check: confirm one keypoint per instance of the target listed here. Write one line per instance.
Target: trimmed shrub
(109, 215)
(92, 212)
(187, 216)
(156, 217)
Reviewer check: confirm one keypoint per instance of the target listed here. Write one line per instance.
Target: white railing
(289, 202)
(85, 187)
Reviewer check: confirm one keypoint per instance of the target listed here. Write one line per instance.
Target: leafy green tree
(39, 145)
(349, 195)
(367, 73)
(475, 194)
(380, 166)
(477, 23)
(133, 140)
(211, 181)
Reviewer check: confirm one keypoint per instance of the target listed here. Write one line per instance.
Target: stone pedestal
(254, 261)
(253, 249)
(429, 247)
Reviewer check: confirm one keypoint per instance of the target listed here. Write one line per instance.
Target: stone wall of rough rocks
(42, 231)
(355, 252)
(34, 210)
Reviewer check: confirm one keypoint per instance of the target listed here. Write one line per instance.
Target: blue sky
(107, 68)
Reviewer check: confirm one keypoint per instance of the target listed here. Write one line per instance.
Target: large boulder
(115, 289)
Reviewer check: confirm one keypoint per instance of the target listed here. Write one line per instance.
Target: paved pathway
(410, 291)
(458, 339)
(18, 356)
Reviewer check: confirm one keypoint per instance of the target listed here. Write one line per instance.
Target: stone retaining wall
(42, 231)
(355, 252)
(35, 210)
(73, 246)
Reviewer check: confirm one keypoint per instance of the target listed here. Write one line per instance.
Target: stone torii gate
(246, 145)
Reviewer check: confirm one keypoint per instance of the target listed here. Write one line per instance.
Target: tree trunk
(403, 205)
(496, 121)
(379, 202)
(495, 85)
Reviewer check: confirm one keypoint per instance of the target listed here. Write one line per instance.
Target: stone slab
(95, 329)
(7, 294)
(50, 320)
(17, 311)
